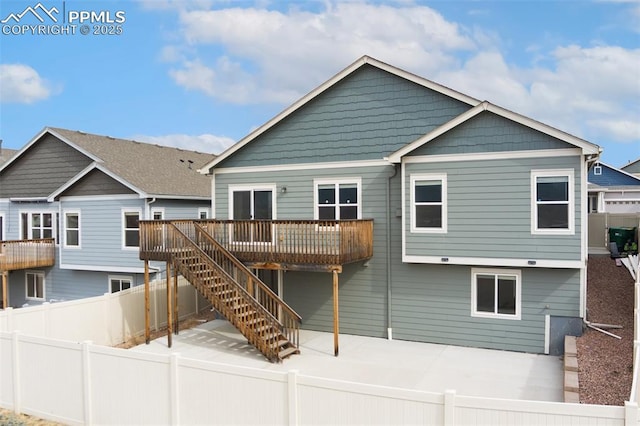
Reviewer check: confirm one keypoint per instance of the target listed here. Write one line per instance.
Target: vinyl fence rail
(93, 384)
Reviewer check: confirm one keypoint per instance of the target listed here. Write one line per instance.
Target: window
(429, 203)
(157, 214)
(203, 213)
(552, 204)
(337, 199)
(597, 170)
(72, 229)
(118, 283)
(36, 226)
(495, 293)
(131, 228)
(35, 285)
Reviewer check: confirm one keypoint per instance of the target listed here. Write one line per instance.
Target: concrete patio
(394, 363)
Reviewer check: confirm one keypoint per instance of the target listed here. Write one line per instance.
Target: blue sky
(202, 74)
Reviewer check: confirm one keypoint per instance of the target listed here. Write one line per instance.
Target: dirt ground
(605, 363)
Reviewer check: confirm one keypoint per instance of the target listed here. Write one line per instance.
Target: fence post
(16, 371)
(449, 407)
(630, 413)
(292, 387)
(86, 382)
(173, 388)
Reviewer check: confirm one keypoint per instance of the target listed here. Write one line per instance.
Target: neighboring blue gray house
(87, 193)
(632, 168)
(479, 213)
(613, 190)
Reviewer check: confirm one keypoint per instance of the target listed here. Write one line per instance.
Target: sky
(202, 74)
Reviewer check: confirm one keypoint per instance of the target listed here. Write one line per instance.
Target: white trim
(3, 229)
(496, 272)
(100, 167)
(570, 174)
(489, 261)
(583, 292)
(44, 285)
(254, 187)
(64, 229)
(301, 166)
(337, 181)
(547, 333)
(442, 177)
(586, 147)
(326, 85)
(120, 278)
(123, 212)
(500, 155)
(404, 218)
(98, 197)
(98, 268)
(213, 196)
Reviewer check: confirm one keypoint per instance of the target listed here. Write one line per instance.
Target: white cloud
(206, 143)
(22, 84)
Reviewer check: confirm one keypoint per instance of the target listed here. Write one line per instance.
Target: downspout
(148, 203)
(388, 233)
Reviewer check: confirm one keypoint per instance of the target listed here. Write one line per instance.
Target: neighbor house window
(72, 229)
(203, 213)
(37, 225)
(552, 201)
(337, 199)
(597, 170)
(118, 283)
(496, 293)
(1, 227)
(35, 285)
(157, 214)
(429, 203)
(131, 228)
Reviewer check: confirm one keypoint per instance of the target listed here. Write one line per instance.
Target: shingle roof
(6, 154)
(156, 170)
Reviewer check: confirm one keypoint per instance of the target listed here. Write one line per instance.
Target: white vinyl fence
(105, 320)
(50, 369)
(82, 383)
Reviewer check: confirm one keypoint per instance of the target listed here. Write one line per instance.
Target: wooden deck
(25, 254)
(274, 244)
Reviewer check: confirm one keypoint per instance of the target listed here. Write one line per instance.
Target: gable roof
(6, 154)
(364, 60)
(612, 177)
(148, 169)
(633, 166)
(587, 147)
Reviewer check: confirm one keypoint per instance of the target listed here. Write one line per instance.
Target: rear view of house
(70, 203)
(387, 205)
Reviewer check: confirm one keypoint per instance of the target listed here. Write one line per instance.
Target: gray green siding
(488, 132)
(489, 211)
(42, 169)
(97, 183)
(368, 115)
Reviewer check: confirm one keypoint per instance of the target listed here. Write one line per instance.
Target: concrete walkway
(397, 363)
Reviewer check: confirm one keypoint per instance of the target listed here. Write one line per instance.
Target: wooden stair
(242, 298)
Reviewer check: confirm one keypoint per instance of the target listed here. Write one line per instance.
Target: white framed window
(597, 170)
(38, 225)
(203, 213)
(71, 229)
(34, 285)
(130, 229)
(496, 293)
(337, 199)
(157, 214)
(428, 203)
(119, 282)
(552, 202)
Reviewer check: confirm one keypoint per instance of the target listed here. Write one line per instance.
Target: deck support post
(4, 290)
(147, 320)
(169, 305)
(336, 325)
(176, 316)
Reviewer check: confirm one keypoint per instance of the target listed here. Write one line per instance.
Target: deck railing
(24, 254)
(292, 242)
